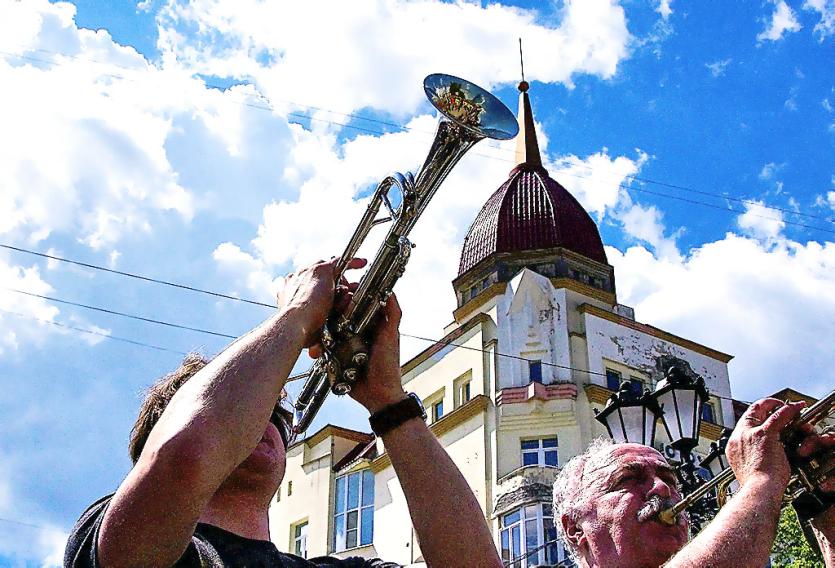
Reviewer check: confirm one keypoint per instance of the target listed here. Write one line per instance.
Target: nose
(660, 488)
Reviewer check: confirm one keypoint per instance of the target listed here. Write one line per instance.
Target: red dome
(530, 211)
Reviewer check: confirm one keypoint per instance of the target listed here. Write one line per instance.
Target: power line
(228, 336)
(94, 332)
(270, 107)
(134, 275)
(13, 522)
(122, 314)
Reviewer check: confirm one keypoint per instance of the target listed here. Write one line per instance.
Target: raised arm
(743, 531)
(445, 513)
(211, 425)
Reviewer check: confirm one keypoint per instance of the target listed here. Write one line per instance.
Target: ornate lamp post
(681, 397)
(677, 400)
(630, 417)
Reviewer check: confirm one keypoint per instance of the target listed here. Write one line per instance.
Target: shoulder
(81, 544)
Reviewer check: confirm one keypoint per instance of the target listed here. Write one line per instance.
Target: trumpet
(472, 114)
(804, 485)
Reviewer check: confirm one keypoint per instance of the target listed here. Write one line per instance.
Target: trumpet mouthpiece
(668, 517)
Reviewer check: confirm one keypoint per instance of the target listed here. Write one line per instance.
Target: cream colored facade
(575, 332)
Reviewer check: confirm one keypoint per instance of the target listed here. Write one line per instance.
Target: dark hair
(160, 394)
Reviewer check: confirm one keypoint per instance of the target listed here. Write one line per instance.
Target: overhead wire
(93, 332)
(442, 342)
(134, 275)
(270, 107)
(121, 314)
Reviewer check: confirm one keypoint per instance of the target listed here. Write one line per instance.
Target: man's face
(618, 488)
(267, 462)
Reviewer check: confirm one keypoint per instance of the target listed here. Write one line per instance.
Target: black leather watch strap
(396, 414)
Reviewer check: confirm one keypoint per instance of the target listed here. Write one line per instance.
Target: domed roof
(530, 211)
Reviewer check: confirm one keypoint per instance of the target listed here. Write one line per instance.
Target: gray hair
(570, 498)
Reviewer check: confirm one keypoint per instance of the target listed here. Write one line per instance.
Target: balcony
(527, 484)
(537, 391)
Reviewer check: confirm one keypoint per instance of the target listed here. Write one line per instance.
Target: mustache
(653, 506)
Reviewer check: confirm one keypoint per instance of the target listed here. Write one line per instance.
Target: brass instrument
(805, 480)
(473, 114)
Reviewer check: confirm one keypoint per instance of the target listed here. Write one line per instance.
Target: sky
(220, 145)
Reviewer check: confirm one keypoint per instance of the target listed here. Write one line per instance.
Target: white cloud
(82, 145)
(264, 41)
(826, 8)
(772, 307)
(597, 180)
(25, 538)
(645, 224)
(769, 170)
(782, 20)
(18, 313)
(717, 68)
(826, 201)
(761, 222)
(664, 8)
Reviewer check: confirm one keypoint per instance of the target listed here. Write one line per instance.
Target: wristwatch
(393, 415)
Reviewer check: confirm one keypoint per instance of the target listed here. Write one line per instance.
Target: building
(538, 342)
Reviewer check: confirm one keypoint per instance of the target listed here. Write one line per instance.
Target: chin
(263, 467)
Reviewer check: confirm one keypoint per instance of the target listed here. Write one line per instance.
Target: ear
(573, 532)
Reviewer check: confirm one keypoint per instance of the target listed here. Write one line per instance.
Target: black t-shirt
(210, 547)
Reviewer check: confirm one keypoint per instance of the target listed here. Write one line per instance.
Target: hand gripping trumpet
(804, 485)
(473, 114)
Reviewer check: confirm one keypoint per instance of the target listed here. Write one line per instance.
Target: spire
(527, 148)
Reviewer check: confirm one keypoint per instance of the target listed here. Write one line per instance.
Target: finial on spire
(523, 86)
(527, 148)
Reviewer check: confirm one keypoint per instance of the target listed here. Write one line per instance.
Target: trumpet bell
(470, 106)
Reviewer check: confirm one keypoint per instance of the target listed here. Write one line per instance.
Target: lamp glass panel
(678, 412)
(714, 466)
(613, 424)
(633, 422)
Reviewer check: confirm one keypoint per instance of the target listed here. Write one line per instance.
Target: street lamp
(715, 461)
(681, 397)
(630, 416)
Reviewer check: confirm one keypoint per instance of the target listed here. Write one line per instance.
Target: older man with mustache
(607, 500)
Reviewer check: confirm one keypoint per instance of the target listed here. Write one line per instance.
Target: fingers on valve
(781, 417)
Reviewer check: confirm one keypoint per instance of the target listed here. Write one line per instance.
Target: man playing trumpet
(607, 500)
(209, 452)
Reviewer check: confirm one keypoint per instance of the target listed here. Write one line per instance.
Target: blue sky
(220, 144)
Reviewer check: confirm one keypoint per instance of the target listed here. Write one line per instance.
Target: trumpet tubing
(472, 114)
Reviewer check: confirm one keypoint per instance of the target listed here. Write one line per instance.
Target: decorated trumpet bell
(470, 106)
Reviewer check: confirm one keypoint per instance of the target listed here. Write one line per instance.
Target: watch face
(416, 398)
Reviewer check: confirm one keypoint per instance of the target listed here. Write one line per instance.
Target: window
(535, 371)
(437, 410)
(485, 283)
(353, 521)
(543, 451)
(300, 539)
(473, 292)
(636, 386)
(461, 390)
(524, 534)
(464, 392)
(612, 380)
(708, 412)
